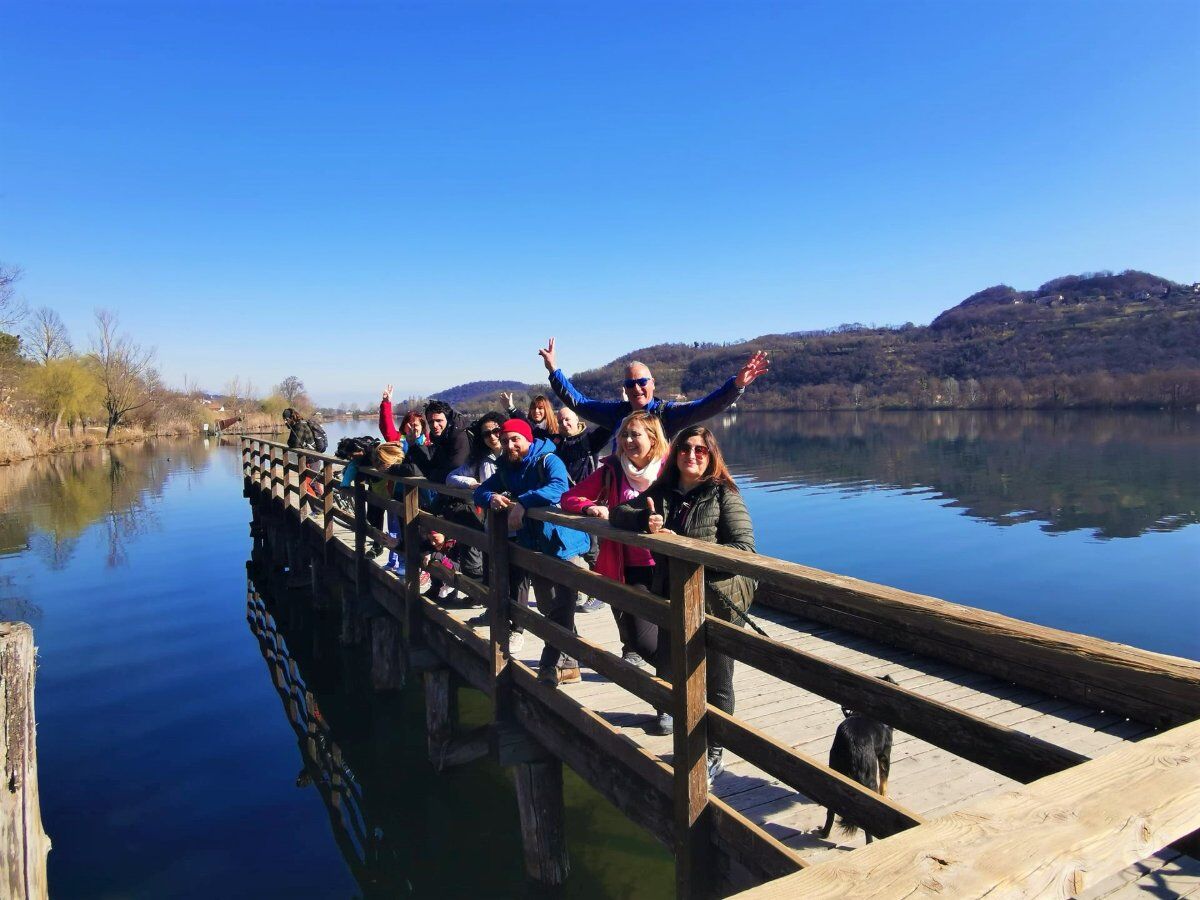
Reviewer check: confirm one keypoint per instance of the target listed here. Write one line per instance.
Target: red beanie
(520, 426)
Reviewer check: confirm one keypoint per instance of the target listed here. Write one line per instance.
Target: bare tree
(12, 311)
(127, 372)
(46, 336)
(291, 389)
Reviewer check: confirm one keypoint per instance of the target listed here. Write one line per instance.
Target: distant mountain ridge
(1096, 339)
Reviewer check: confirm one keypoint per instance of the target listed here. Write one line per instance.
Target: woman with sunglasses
(695, 496)
(479, 467)
(641, 447)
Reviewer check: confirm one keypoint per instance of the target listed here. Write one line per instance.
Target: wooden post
(278, 471)
(387, 664)
(25, 843)
(327, 505)
(414, 640)
(543, 820)
(498, 591)
(352, 600)
(302, 497)
(439, 712)
(689, 671)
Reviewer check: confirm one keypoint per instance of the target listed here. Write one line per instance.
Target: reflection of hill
(1121, 474)
(49, 502)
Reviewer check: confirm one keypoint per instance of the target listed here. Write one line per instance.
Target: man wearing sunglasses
(639, 389)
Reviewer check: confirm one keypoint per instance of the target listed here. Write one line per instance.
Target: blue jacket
(674, 416)
(539, 479)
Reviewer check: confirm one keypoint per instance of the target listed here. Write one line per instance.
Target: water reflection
(1118, 474)
(47, 504)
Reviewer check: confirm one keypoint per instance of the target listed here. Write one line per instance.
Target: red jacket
(387, 424)
(607, 487)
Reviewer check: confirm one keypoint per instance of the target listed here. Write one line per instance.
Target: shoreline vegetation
(1095, 341)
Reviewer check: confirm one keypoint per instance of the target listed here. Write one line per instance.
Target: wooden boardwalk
(927, 781)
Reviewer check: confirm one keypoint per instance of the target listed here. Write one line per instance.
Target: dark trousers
(556, 602)
(637, 635)
(720, 674)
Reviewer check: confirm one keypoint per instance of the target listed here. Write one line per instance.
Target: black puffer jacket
(710, 512)
(441, 455)
(579, 451)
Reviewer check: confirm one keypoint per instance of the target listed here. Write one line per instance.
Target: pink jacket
(607, 486)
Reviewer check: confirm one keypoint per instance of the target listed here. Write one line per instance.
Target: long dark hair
(479, 448)
(550, 420)
(716, 471)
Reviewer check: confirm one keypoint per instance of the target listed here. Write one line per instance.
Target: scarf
(640, 479)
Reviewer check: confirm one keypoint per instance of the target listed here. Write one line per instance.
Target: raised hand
(387, 393)
(548, 357)
(655, 523)
(755, 366)
(506, 397)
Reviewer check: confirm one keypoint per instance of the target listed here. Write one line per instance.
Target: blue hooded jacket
(539, 479)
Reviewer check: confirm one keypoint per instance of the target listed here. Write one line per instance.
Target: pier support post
(23, 856)
(543, 820)
(387, 660)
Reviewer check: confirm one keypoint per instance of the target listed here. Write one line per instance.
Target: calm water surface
(168, 767)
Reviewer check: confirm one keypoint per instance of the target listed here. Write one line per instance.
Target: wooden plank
(1161, 689)
(413, 635)
(653, 690)
(689, 671)
(1000, 749)
(878, 815)
(1056, 837)
(474, 589)
(24, 842)
(640, 603)
(460, 533)
(542, 814)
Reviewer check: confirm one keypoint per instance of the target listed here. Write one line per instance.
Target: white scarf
(640, 479)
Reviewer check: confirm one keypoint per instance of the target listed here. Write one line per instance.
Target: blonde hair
(654, 430)
(389, 454)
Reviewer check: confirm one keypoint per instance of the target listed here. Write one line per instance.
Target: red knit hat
(520, 426)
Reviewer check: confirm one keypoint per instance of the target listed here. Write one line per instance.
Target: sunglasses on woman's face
(490, 432)
(698, 451)
(631, 383)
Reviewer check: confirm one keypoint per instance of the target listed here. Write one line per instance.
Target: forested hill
(1097, 339)
(479, 393)
(1092, 340)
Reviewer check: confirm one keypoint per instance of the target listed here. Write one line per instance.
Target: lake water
(167, 763)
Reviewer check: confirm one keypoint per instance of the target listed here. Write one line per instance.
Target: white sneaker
(445, 591)
(516, 641)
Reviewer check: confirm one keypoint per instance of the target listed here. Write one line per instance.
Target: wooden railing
(1152, 687)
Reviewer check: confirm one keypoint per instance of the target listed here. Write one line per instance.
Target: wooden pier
(1027, 761)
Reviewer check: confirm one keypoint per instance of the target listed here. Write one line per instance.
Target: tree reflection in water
(48, 504)
(1119, 474)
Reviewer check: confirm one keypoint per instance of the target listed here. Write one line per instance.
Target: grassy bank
(19, 442)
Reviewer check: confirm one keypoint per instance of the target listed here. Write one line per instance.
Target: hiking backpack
(320, 438)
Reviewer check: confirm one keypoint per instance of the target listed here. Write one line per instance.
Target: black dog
(862, 750)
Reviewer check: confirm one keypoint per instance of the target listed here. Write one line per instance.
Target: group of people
(666, 476)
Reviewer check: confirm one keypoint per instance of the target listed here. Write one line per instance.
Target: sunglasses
(631, 383)
(490, 431)
(698, 452)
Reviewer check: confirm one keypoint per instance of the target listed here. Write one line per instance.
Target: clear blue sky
(428, 190)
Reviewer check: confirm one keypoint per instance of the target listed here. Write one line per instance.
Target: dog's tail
(864, 768)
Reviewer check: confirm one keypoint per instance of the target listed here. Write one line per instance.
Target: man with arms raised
(528, 474)
(639, 388)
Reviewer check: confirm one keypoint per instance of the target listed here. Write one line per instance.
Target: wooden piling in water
(25, 844)
(543, 820)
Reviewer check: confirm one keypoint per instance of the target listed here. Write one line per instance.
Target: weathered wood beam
(1056, 837)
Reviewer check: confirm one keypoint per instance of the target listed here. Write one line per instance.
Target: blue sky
(420, 193)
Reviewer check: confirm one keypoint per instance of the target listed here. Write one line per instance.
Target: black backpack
(320, 438)
(349, 447)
